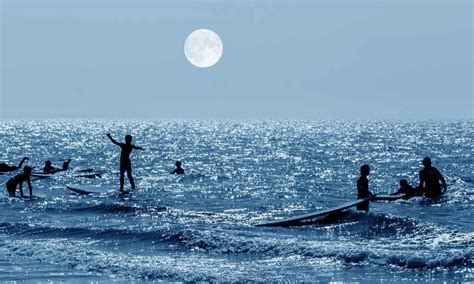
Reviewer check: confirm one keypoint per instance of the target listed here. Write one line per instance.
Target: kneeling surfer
(18, 180)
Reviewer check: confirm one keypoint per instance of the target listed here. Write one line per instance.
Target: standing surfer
(430, 179)
(363, 187)
(125, 163)
(18, 180)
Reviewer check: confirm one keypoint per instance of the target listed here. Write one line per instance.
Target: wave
(197, 253)
(197, 265)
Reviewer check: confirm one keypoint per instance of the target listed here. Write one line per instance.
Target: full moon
(203, 48)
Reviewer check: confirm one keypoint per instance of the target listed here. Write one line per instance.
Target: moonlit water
(239, 173)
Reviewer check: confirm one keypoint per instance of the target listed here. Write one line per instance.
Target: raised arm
(22, 162)
(112, 139)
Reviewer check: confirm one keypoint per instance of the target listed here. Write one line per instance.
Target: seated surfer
(18, 180)
(125, 163)
(7, 168)
(50, 169)
(179, 170)
(430, 179)
(363, 187)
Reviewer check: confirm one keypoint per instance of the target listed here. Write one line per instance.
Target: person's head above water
(27, 170)
(178, 164)
(427, 162)
(128, 139)
(47, 163)
(364, 170)
(403, 182)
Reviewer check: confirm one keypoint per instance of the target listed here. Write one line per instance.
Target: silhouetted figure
(50, 169)
(407, 189)
(125, 163)
(7, 168)
(179, 170)
(430, 179)
(18, 180)
(363, 187)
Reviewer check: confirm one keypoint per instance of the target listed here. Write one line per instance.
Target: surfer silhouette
(430, 178)
(18, 180)
(179, 170)
(363, 187)
(50, 169)
(7, 168)
(407, 189)
(125, 163)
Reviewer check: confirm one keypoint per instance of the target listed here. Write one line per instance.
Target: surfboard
(87, 175)
(36, 194)
(26, 194)
(387, 197)
(313, 215)
(41, 175)
(95, 189)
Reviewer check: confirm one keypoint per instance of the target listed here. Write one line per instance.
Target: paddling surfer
(125, 163)
(363, 187)
(430, 178)
(179, 170)
(7, 168)
(18, 180)
(50, 169)
(407, 189)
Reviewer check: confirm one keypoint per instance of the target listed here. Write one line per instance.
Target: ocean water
(239, 173)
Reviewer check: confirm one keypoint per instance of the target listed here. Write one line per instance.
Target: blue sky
(282, 59)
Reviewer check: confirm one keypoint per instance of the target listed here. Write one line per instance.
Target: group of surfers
(125, 167)
(432, 184)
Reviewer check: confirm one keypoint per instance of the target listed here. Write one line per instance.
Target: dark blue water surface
(239, 173)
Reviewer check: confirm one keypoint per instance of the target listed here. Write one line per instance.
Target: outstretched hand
(108, 134)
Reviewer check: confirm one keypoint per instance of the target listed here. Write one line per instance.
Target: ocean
(201, 226)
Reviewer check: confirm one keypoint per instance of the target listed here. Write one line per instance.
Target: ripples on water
(200, 226)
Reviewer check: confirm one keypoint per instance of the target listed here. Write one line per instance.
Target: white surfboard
(313, 215)
(88, 175)
(389, 197)
(95, 189)
(36, 194)
(40, 175)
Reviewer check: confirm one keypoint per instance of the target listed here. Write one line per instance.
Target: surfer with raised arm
(18, 180)
(430, 178)
(363, 187)
(179, 170)
(125, 163)
(7, 168)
